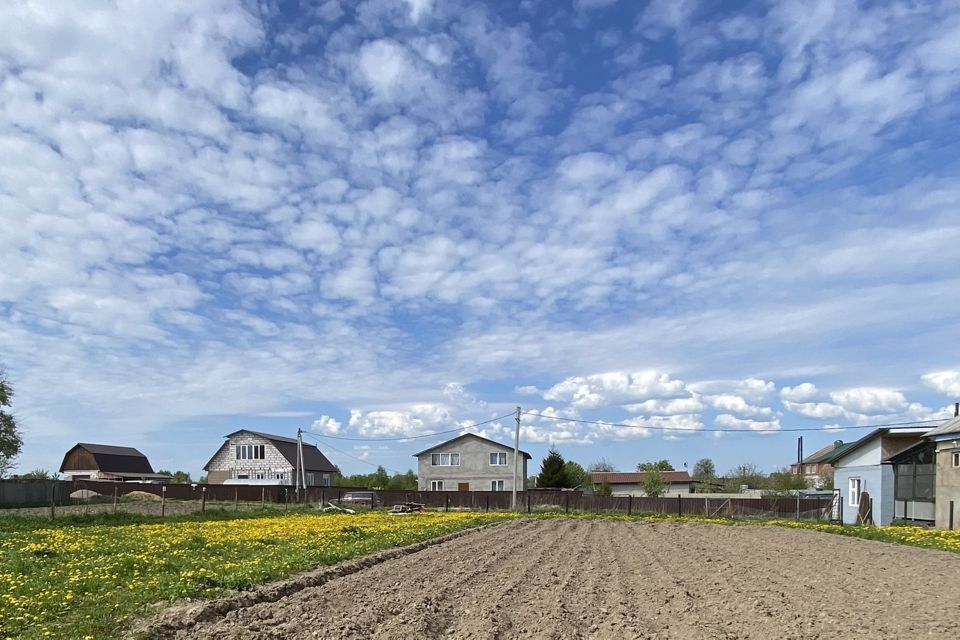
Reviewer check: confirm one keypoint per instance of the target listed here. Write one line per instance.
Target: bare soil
(604, 579)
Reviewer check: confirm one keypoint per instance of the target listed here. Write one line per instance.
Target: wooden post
(488, 503)
(53, 500)
(679, 505)
(528, 501)
(163, 501)
(263, 496)
(286, 500)
(567, 505)
(629, 504)
(322, 499)
(236, 503)
(798, 505)
(114, 499)
(950, 518)
(203, 500)
(446, 497)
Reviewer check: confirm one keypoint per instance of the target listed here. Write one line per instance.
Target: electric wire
(731, 430)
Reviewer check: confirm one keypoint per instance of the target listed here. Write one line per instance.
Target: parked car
(364, 498)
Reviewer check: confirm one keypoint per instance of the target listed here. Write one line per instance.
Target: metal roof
(313, 459)
(636, 477)
(113, 459)
(470, 435)
(950, 427)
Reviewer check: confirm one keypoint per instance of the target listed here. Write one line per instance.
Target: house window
(956, 459)
(854, 492)
(243, 476)
(496, 485)
(310, 482)
(250, 452)
(436, 485)
(498, 459)
(445, 459)
(280, 475)
(259, 475)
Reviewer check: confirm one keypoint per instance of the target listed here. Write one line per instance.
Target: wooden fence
(41, 493)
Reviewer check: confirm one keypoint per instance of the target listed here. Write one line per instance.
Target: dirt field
(596, 579)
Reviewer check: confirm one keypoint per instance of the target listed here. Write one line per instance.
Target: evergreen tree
(577, 476)
(553, 472)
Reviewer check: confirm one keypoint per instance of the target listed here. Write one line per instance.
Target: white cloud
(327, 425)
(943, 382)
(657, 406)
(732, 422)
(604, 389)
(870, 400)
(417, 420)
(527, 390)
(736, 404)
(818, 410)
(803, 392)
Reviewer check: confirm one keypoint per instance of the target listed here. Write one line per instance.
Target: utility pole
(296, 469)
(303, 467)
(516, 462)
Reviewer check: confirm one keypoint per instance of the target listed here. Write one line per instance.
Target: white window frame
(250, 452)
(956, 459)
(436, 485)
(854, 489)
(496, 485)
(445, 459)
(501, 455)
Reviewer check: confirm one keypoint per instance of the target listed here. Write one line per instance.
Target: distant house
(86, 461)
(631, 483)
(866, 467)
(818, 466)
(469, 463)
(946, 442)
(252, 457)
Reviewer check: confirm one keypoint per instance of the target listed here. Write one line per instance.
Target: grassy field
(88, 578)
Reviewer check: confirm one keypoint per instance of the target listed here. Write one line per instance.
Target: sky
(388, 218)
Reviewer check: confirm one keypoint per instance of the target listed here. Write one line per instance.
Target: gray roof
(951, 426)
(313, 459)
(113, 459)
(471, 435)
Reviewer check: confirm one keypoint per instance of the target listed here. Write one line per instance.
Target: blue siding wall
(877, 480)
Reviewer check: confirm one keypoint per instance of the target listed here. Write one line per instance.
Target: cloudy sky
(387, 218)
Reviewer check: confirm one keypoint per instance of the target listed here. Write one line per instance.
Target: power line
(426, 435)
(729, 430)
(357, 458)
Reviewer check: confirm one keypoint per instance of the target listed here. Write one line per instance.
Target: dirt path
(596, 579)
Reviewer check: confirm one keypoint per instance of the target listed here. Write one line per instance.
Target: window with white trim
(956, 459)
(853, 492)
(496, 485)
(445, 459)
(436, 485)
(250, 452)
(498, 458)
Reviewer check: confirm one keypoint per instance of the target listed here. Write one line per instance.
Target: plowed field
(603, 579)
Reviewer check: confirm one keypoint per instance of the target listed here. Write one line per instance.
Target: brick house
(252, 457)
(469, 463)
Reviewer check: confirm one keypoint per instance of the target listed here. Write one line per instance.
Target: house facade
(469, 463)
(945, 440)
(865, 467)
(252, 457)
(87, 461)
(914, 473)
(817, 468)
(631, 483)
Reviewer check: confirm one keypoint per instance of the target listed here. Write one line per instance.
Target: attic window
(956, 459)
(250, 452)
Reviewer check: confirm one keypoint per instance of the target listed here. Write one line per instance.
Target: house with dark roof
(470, 463)
(253, 457)
(863, 473)
(87, 461)
(818, 466)
(630, 483)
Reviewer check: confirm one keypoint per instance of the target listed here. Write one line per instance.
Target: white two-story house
(469, 463)
(251, 457)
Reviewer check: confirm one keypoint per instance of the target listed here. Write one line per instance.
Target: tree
(601, 466)
(577, 476)
(10, 440)
(604, 489)
(784, 481)
(826, 480)
(203, 479)
(659, 465)
(40, 474)
(181, 477)
(653, 483)
(705, 472)
(553, 472)
(745, 474)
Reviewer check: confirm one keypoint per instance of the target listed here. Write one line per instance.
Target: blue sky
(387, 218)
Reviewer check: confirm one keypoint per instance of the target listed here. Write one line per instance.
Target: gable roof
(114, 459)
(950, 427)
(828, 454)
(470, 435)
(313, 459)
(637, 477)
(888, 431)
